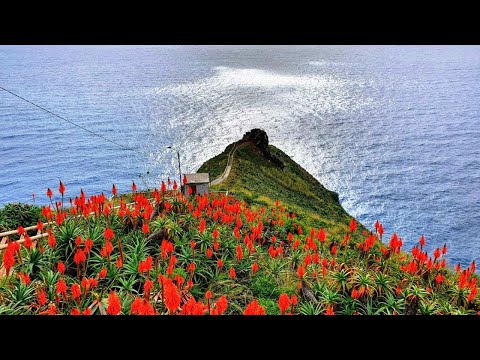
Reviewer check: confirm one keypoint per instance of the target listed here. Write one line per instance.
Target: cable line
(142, 153)
(69, 121)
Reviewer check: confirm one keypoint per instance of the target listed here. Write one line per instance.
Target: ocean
(394, 130)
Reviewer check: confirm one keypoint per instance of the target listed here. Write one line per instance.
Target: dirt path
(226, 172)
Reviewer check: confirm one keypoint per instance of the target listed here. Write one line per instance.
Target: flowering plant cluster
(170, 254)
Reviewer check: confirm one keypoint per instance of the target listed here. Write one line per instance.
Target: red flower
(21, 230)
(353, 225)
(114, 190)
(51, 239)
(395, 243)
(254, 309)
(308, 259)
(283, 303)
(439, 279)
(119, 262)
(106, 210)
(41, 297)
(40, 225)
(92, 282)
(473, 294)
(214, 233)
(172, 297)
(108, 234)
(184, 179)
(114, 306)
(299, 230)
(422, 241)
(75, 311)
(87, 311)
(134, 187)
(294, 300)
(107, 249)
(145, 228)
(329, 311)
(219, 263)
(209, 253)
(271, 251)
(88, 245)
(25, 278)
(85, 283)
(61, 267)
(232, 273)
(52, 310)
(175, 185)
(444, 249)
(221, 305)
(254, 267)
(137, 306)
(8, 259)
(436, 253)
(380, 230)
(180, 280)
(103, 273)
(355, 294)
(215, 245)
(147, 287)
(171, 264)
(78, 241)
(296, 243)
(334, 249)
(192, 244)
(429, 264)
(208, 295)
(76, 291)
(321, 236)
(239, 253)
(300, 271)
(79, 257)
(202, 225)
(49, 193)
(61, 287)
(61, 188)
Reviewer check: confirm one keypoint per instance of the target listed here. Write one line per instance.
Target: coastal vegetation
(279, 243)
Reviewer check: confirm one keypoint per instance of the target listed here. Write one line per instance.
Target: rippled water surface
(395, 130)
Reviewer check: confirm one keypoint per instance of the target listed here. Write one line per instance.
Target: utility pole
(179, 169)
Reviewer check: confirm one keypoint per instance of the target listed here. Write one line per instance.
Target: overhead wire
(77, 125)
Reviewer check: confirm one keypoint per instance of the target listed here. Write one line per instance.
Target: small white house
(198, 182)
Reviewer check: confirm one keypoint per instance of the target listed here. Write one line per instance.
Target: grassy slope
(259, 182)
(386, 287)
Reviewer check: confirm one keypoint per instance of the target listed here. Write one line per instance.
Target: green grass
(260, 183)
(216, 165)
(15, 214)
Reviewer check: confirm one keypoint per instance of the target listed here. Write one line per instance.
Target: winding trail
(226, 172)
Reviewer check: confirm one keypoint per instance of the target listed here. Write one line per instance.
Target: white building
(198, 182)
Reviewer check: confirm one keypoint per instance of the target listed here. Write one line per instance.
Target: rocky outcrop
(259, 138)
